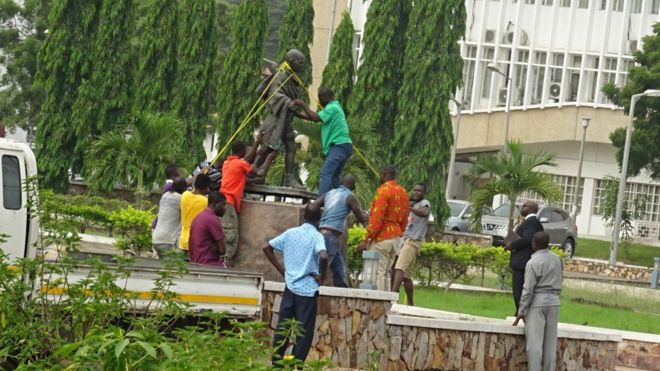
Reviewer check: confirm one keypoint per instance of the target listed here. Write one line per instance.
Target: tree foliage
(22, 32)
(432, 71)
(64, 62)
(644, 150)
(631, 210)
(103, 100)
(339, 73)
(195, 58)
(297, 32)
(156, 71)
(242, 68)
(512, 174)
(373, 103)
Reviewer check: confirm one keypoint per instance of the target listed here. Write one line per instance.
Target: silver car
(459, 215)
(556, 222)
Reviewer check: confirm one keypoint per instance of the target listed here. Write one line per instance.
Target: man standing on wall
(305, 264)
(539, 305)
(167, 230)
(207, 241)
(336, 204)
(337, 145)
(388, 218)
(521, 248)
(193, 203)
(415, 235)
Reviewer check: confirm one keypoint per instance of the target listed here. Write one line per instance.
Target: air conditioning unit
(509, 35)
(489, 36)
(632, 46)
(555, 91)
(501, 97)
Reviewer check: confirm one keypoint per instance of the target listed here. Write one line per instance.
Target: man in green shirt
(337, 145)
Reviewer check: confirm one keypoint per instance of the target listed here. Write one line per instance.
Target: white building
(558, 53)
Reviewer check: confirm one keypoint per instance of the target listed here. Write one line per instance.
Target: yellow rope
(357, 150)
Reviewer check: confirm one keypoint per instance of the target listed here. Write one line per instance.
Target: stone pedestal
(259, 222)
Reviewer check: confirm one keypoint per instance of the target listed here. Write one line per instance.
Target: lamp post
(624, 172)
(452, 160)
(585, 125)
(493, 68)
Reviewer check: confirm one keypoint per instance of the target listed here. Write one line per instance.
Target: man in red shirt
(388, 219)
(207, 242)
(235, 171)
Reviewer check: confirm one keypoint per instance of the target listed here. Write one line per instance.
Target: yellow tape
(197, 298)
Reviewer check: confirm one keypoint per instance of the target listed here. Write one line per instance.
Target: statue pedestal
(285, 193)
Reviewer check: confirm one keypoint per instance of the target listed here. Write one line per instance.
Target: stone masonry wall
(602, 268)
(355, 333)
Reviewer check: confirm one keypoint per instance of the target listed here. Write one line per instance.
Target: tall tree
(297, 32)
(242, 68)
(373, 103)
(645, 74)
(432, 71)
(64, 61)
(103, 101)
(157, 57)
(339, 73)
(22, 32)
(196, 53)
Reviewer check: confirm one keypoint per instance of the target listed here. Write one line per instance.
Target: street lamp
(624, 171)
(452, 160)
(585, 125)
(493, 68)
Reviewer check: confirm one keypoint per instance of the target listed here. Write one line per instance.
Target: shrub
(134, 227)
(355, 236)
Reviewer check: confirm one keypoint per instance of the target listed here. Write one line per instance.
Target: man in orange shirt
(388, 219)
(235, 171)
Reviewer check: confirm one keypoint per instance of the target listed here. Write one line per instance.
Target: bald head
(348, 181)
(529, 207)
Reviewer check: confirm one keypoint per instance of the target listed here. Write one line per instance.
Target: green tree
(432, 71)
(22, 32)
(64, 62)
(196, 54)
(297, 32)
(242, 68)
(373, 103)
(156, 71)
(339, 73)
(126, 156)
(511, 175)
(645, 74)
(103, 101)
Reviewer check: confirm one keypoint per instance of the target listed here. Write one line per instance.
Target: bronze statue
(279, 88)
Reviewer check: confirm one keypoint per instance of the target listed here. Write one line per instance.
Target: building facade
(558, 54)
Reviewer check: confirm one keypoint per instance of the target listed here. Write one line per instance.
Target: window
(489, 55)
(617, 5)
(531, 2)
(558, 216)
(567, 186)
(651, 192)
(637, 6)
(547, 2)
(357, 49)
(655, 4)
(11, 183)
(565, 3)
(603, 4)
(583, 4)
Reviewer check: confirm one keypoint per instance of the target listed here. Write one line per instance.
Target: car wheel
(569, 247)
(455, 229)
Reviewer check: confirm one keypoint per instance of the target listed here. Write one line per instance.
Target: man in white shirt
(166, 233)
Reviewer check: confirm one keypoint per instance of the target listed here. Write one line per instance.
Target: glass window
(617, 5)
(567, 186)
(565, 3)
(547, 2)
(583, 4)
(557, 216)
(603, 4)
(637, 6)
(455, 208)
(546, 213)
(530, 2)
(655, 4)
(503, 210)
(11, 183)
(357, 40)
(538, 73)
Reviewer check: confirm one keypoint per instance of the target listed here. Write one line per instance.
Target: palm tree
(512, 174)
(134, 156)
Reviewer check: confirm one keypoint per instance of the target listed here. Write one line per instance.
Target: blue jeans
(335, 260)
(333, 165)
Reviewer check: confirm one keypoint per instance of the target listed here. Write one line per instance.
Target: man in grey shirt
(168, 228)
(539, 304)
(413, 237)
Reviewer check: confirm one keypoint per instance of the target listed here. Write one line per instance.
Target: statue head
(295, 59)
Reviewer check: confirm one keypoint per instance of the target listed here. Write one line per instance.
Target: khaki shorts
(407, 257)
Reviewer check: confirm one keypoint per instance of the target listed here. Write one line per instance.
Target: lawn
(578, 307)
(596, 249)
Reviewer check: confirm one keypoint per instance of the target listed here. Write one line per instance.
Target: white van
(19, 227)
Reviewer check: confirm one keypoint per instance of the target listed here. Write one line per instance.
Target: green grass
(638, 254)
(578, 306)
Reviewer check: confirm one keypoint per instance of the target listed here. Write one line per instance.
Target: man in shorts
(413, 237)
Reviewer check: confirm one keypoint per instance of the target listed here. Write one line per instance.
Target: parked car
(459, 215)
(559, 225)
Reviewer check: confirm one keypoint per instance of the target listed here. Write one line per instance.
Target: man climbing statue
(279, 88)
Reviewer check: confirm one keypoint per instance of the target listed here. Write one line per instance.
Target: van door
(13, 213)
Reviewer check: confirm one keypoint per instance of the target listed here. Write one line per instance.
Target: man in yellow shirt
(193, 203)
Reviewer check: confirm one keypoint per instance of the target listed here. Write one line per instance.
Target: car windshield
(503, 211)
(455, 208)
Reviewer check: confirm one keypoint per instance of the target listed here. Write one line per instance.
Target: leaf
(167, 350)
(148, 348)
(119, 348)
(135, 334)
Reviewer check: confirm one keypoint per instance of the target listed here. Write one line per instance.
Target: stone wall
(639, 354)
(603, 268)
(355, 329)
